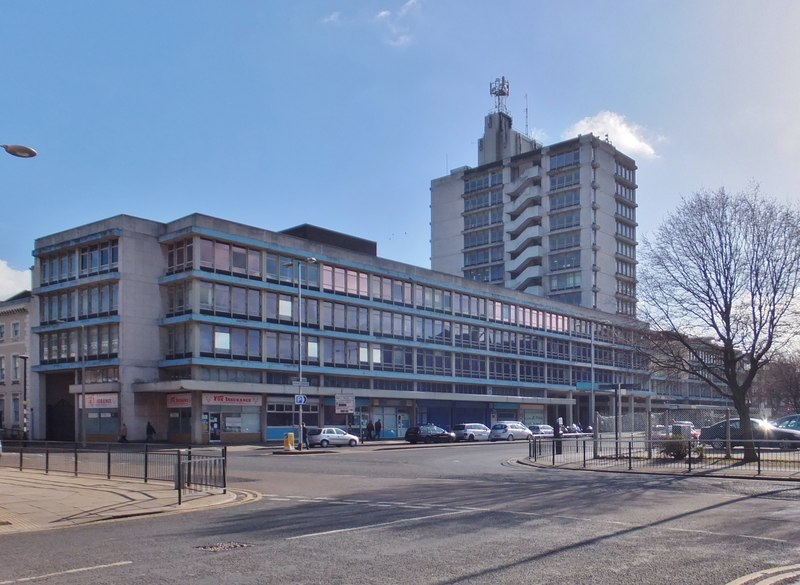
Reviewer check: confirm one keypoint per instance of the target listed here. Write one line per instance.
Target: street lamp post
(18, 150)
(24, 359)
(300, 380)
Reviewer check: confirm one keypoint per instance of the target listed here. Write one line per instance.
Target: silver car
(509, 430)
(471, 432)
(327, 436)
(542, 430)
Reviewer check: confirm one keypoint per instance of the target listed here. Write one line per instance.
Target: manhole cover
(222, 546)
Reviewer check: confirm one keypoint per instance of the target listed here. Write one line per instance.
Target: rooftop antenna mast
(499, 89)
(526, 115)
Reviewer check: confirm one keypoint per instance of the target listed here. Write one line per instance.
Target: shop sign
(232, 399)
(345, 403)
(179, 400)
(102, 400)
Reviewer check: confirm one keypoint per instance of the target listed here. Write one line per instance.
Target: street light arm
(19, 150)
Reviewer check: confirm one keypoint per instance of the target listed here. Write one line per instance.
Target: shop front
(229, 418)
(101, 417)
(395, 416)
(179, 413)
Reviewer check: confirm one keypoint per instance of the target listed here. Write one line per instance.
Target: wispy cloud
(333, 18)
(13, 281)
(630, 138)
(397, 27)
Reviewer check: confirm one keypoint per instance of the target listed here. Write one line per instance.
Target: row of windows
(626, 249)
(484, 182)
(565, 180)
(565, 260)
(92, 301)
(564, 240)
(626, 269)
(569, 219)
(626, 211)
(565, 281)
(483, 218)
(566, 199)
(565, 159)
(84, 261)
(486, 199)
(180, 256)
(483, 256)
(241, 302)
(626, 192)
(14, 331)
(486, 274)
(16, 368)
(483, 237)
(625, 230)
(626, 173)
(97, 342)
(627, 288)
(246, 343)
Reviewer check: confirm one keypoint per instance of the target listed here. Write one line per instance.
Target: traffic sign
(300, 398)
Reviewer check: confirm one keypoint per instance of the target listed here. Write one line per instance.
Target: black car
(429, 434)
(715, 435)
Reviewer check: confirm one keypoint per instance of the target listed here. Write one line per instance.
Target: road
(450, 514)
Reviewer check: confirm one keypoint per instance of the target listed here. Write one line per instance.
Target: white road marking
(370, 526)
(68, 572)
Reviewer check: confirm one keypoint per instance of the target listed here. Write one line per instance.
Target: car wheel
(510, 438)
(324, 443)
(471, 438)
(353, 442)
(717, 444)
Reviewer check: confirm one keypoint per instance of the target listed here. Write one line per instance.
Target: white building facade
(195, 326)
(557, 221)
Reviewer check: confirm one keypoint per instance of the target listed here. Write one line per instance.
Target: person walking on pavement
(370, 430)
(123, 433)
(378, 427)
(305, 436)
(150, 432)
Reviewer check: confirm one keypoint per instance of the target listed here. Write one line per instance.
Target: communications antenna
(526, 115)
(499, 89)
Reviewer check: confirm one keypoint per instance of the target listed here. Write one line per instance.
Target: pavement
(32, 500)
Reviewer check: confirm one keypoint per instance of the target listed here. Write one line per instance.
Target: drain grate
(223, 546)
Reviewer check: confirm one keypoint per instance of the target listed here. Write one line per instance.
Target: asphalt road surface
(434, 515)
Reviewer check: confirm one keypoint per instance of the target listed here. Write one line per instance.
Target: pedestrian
(370, 430)
(150, 432)
(378, 427)
(123, 433)
(305, 436)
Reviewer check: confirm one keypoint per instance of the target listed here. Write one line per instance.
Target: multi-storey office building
(557, 221)
(193, 325)
(14, 364)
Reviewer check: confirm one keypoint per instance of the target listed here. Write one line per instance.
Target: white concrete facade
(556, 221)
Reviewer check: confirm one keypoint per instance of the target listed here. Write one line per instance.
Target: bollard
(288, 441)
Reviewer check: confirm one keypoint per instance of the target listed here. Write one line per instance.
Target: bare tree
(778, 385)
(718, 286)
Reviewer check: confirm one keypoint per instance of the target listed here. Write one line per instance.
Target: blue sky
(277, 113)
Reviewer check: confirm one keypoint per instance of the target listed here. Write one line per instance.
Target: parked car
(326, 436)
(790, 421)
(509, 430)
(715, 435)
(471, 432)
(684, 429)
(542, 430)
(429, 434)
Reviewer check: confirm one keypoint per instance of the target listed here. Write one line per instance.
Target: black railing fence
(192, 471)
(665, 455)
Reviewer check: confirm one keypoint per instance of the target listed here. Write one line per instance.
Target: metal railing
(198, 471)
(665, 455)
